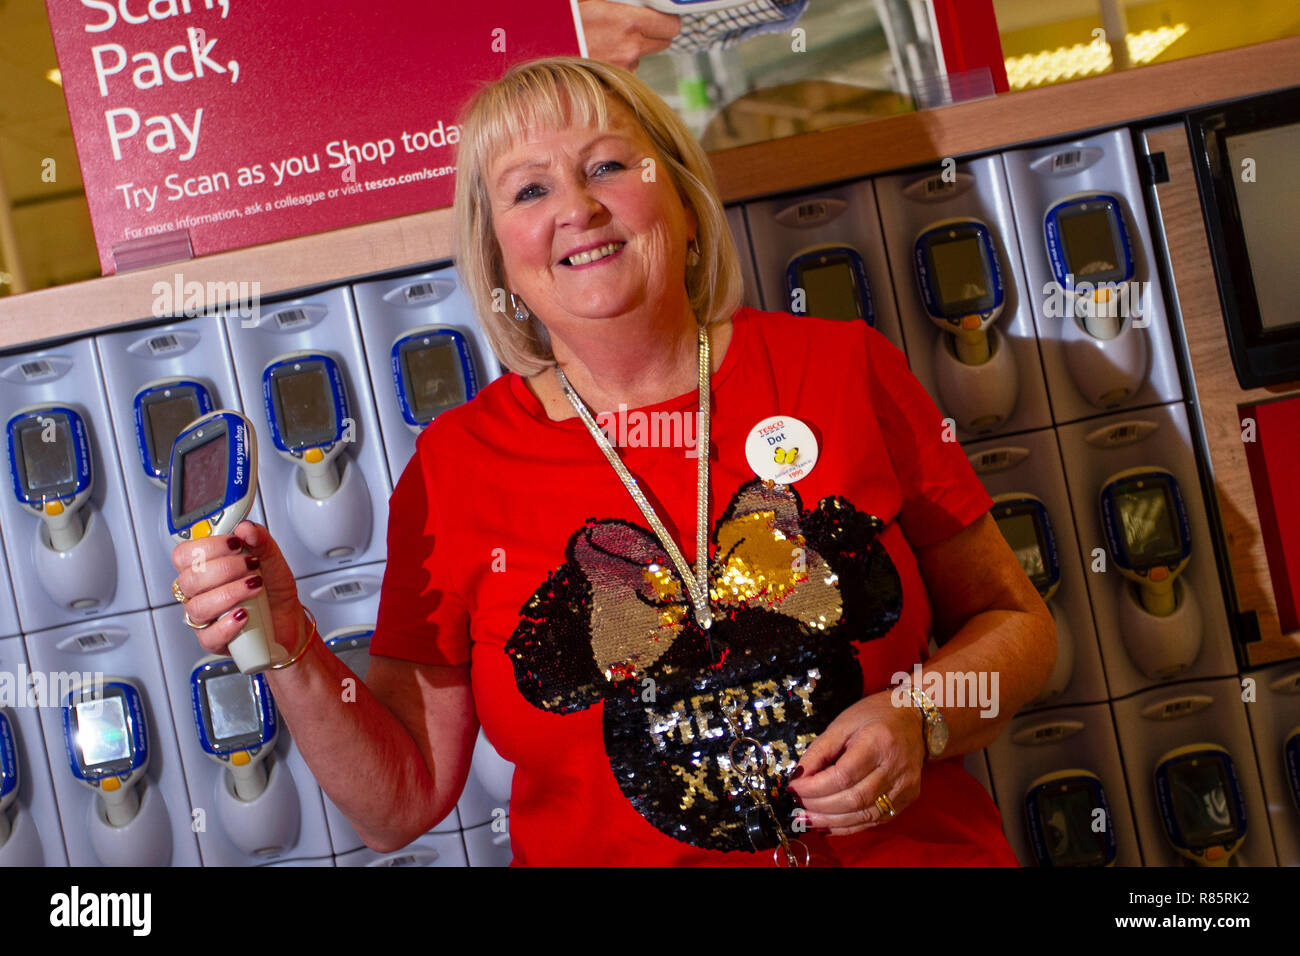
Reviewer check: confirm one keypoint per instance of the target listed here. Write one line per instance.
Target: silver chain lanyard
(697, 583)
(755, 780)
(753, 769)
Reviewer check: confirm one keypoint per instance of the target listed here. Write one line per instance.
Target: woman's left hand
(873, 748)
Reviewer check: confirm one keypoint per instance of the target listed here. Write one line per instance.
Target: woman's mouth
(593, 255)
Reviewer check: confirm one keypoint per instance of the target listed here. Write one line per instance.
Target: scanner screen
(1202, 806)
(233, 703)
(203, 477)
(959, 268)
(830, 291)
(306, 407)
(167, 419)
(48, 464)
(1089, 245)
(433, 378)
(102, 731)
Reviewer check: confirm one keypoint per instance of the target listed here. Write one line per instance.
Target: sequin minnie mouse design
(791, 590)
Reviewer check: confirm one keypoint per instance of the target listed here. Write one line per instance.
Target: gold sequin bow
(640, 604)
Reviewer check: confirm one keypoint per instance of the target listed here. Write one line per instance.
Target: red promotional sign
(239, 122)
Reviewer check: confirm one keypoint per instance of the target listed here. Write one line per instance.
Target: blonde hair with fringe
(556, 93)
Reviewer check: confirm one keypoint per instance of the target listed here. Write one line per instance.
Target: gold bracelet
(303, 650)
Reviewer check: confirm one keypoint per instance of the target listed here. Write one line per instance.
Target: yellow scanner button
(240, 759)
(1158, 574)
(1214, 853)
(970, 323)
(313, 456)
(1101, 295)
(201, 529)
(111, 784)
(54, 508)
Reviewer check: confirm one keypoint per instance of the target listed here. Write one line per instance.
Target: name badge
(781, 449)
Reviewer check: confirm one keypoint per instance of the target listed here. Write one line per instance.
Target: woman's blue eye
(608, 164)
(528, 192)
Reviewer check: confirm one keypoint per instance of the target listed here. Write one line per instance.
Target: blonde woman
(677, 562)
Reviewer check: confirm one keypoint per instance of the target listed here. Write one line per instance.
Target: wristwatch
(936, 728)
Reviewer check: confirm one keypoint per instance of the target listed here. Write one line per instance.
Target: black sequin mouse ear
(607, 615)
(849, 540)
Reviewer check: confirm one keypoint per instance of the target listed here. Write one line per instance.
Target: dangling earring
(521, 311)
(692, 254)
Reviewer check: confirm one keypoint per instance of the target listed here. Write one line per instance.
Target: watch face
(936, 741)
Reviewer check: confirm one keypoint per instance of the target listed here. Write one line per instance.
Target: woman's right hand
(216, 574)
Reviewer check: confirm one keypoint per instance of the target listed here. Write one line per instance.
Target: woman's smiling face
(586, 230)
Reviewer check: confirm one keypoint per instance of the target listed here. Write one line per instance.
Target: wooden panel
(797, 162)
(1218, 393)
(326, 258)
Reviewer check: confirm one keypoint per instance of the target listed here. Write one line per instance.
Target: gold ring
(177, 593)
(886, 806)
(196, 626)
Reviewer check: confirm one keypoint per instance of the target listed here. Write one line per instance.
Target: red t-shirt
(514, 546)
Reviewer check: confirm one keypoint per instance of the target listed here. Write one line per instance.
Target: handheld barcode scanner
(1087, 243)
(1027, 528)
(1064, 823)
(1026, 525)
(307, 408)
(9, 778)
(1147, 532)
(1200, 803)
(107, 739)
(1291, 764)
(834, 283)
(960, 279)
(352, 646)
(162, 410)
(432, 372)
(49, 460)
(211, 486)
(236, 721)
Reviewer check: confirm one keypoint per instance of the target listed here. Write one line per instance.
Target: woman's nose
(579, 206)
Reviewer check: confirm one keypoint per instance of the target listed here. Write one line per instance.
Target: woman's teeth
(591, 255)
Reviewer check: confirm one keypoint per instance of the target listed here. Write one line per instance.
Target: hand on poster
(621, 33)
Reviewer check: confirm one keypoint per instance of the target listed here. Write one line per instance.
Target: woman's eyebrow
(526, 164)
(542, 164)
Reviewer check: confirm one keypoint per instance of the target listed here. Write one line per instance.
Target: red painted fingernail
(252, 563)
(240, 615)
(233, 543)
(254, 582)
